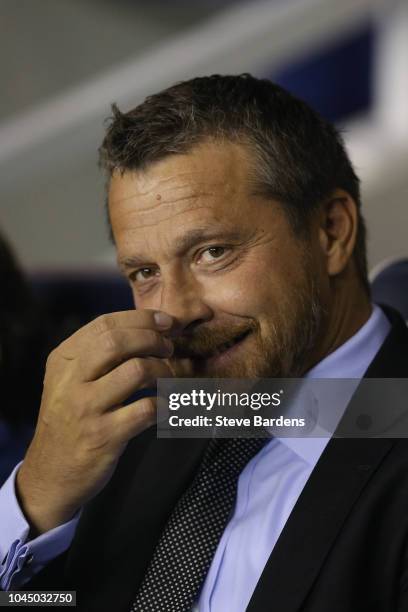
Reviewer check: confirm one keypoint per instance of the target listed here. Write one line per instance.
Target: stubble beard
(282, 351)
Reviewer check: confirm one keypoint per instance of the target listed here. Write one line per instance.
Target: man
(235, 212)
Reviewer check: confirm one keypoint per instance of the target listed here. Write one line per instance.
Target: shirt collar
(350, 360)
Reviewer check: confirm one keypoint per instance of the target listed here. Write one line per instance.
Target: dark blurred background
(63, 62)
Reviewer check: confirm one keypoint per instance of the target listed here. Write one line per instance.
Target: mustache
(204, 342)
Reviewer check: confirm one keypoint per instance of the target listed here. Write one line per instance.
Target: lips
(204, 349)
(222, 348)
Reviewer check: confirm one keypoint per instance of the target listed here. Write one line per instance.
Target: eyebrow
(186, 242)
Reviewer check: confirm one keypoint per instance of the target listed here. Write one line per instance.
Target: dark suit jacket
(343, 549)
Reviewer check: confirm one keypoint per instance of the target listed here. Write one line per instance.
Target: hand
(83, 427)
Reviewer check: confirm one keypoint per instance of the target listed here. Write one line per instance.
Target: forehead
(208, 185)
(210, 168)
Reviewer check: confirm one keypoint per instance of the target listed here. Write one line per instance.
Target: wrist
(42, 511)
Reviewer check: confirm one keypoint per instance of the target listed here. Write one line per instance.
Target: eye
(210, 254)
(143, 274)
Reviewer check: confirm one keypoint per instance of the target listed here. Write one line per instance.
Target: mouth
(217, 352)
(227, 348)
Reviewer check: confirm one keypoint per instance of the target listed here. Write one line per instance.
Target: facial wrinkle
(171, 215)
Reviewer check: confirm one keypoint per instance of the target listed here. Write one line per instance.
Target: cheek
(248, 291)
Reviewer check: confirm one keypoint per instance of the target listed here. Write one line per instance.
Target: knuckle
(111, 341)
(137, 368)
(103, 324)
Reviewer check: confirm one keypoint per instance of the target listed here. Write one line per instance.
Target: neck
(348, 310)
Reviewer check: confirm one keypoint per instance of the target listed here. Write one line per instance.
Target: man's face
(195, 242)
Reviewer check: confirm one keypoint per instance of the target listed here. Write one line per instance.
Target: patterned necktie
(187, 545)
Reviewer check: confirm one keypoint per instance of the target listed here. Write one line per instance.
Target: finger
(119, 345)
(134, 319)
(132, 375)
(129, 421)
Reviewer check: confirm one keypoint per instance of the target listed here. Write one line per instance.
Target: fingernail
(162, 319)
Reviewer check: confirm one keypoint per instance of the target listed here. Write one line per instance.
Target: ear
(338, 230)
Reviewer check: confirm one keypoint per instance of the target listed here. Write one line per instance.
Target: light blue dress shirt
(268, 489)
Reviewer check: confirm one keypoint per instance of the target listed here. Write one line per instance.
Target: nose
(183, 299)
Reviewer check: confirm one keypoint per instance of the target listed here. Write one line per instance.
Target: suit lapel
(118, 531)
(310, 532)
(333, 488)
